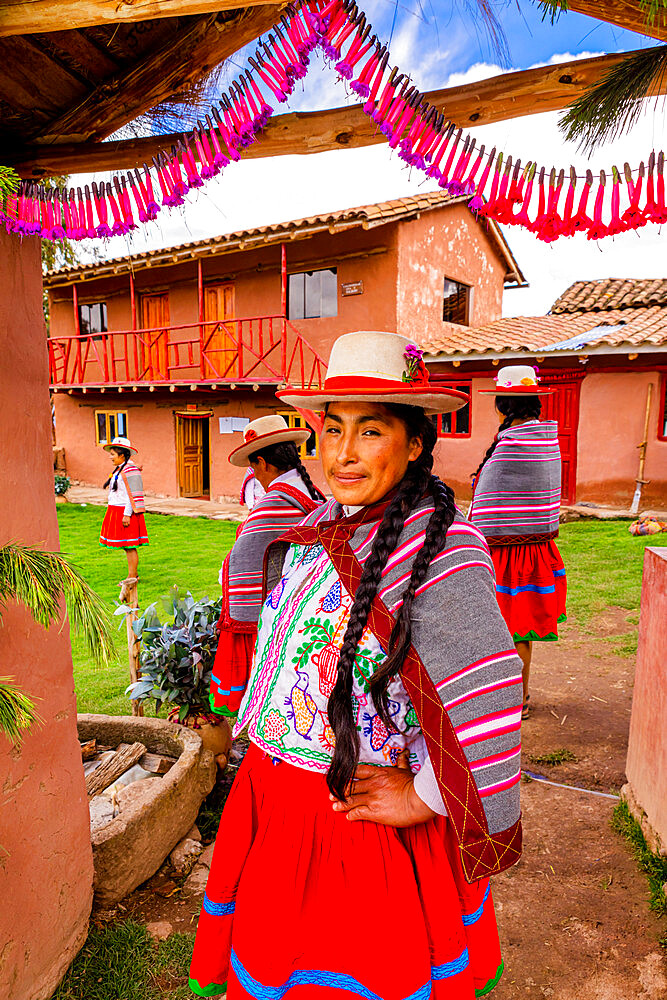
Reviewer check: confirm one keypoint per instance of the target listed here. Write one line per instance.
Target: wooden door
(220, 352)
(154, 317)
(190, 456)
(563, 407)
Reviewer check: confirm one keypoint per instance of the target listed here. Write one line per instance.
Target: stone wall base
(651, 835)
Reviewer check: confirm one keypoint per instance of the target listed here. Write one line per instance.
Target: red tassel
(566, 227)
(598, 228)
(615, 224)
(633, 217)
(477, 202)
(521, 218)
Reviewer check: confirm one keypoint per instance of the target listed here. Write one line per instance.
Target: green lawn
(603, 562)
(186, 551)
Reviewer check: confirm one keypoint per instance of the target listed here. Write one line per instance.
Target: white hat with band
(517, 380)
(380, 367)
(119, 442)
(262, 433)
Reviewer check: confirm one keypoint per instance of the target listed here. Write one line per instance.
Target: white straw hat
(119, 442)
(378, 366)
(517, 380)
(263, 432)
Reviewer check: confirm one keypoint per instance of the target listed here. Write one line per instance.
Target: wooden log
(626, 14)
(499, 98)
(106, 773)
(170, 69)
(88, 749)
(129, 595)
(25, 17)
(154, 762)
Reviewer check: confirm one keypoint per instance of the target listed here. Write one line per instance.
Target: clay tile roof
(576, 331)
(365, 217)
(611, 293)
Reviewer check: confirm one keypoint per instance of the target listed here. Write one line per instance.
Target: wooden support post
(640, 481)
(133, 302)
(129, 595)
(200, 317)
(283, 308)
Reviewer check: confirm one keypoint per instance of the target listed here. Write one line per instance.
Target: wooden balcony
(257, 350)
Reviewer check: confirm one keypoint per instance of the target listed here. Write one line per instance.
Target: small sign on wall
(229, 425)
(352, 287)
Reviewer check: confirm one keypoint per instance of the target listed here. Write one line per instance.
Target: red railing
(255, 350)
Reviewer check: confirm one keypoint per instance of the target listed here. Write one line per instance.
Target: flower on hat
(416, 372)
(250, 435)
(528, 381)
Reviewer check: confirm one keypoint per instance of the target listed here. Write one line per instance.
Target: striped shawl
(517, 495)
(285, 504)
(461, 645)
(134, 485)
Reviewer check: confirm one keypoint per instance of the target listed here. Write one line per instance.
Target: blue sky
(438, 45)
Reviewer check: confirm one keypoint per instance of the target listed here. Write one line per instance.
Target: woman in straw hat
(381, 786)
(124, 526)
(516, 503)
(287, 495)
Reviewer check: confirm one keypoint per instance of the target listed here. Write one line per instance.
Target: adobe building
(603, 347)
(179, 348)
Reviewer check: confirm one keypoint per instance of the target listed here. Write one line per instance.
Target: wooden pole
(129, 595)
(200, 316)
(133, 302)
(640, 481)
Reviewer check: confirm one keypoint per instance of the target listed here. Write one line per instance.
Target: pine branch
(552, 9)
(17, 711)
(493, 26)
(9, 182)
(614, 104)
(39, 579)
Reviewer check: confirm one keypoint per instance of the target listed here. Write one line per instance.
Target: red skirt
(531, 588)
(115, 535)
(302, 903)
(231, 669)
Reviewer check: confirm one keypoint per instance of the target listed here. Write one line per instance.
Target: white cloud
(257, 192)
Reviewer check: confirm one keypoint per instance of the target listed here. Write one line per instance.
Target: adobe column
(46, 866)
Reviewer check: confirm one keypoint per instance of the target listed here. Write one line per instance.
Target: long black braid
(285, 456)
(513, 408)
(417, 481)
(126, 453)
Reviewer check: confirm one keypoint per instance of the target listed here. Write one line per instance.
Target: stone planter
(131, 847)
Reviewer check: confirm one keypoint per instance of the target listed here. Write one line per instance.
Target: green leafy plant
(9, 182)
(653, 865)
(177, 654)
(61, 484)
(552, 759)
(39, 580)
(17, 711)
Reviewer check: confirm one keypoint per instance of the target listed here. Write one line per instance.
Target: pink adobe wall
(611, 426)
(46, 867)
(646, 766)
(447, 242)
(457, 458)
(152, 429)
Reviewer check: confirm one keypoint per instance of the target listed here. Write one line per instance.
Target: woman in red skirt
(516, 503)
(124, 526)
(381, 786)
(284, 496)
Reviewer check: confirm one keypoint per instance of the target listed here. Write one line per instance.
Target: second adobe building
(179, 348)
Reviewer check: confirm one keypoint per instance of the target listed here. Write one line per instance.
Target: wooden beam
(175, 66)
(625, 14)
(511, 95)
(26, 17)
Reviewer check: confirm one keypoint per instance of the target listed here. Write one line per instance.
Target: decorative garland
(551, 205)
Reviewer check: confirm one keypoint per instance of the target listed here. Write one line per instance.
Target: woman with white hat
(516, 503)
(124, 526)
(381, 785)
(288, 494)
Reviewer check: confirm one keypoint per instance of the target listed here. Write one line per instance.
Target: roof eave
(585, 351)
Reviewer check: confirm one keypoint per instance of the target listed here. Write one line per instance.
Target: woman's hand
(126, 521)
(384, 795)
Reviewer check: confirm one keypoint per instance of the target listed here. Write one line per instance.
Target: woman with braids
(124, 526)
(381, 785)
(287, 495)
(516, 503)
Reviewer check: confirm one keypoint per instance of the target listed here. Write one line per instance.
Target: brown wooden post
(129, 595)
(133, 302)
(200, 315)
(283, 307)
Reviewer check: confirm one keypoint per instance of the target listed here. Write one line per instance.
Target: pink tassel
(522, 218)
(581, 221)
(440, 150)
(549, 226)
(194, 180)
(386, 96)
(225, 136)
(633, 217)
(136, 194)
(598, 228)
(566, 228)
(615, 224)
(376, 84)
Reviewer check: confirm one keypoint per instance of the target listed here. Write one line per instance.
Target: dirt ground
(573, 915)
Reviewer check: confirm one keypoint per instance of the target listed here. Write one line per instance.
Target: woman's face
(117, 457)
(365, 451)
